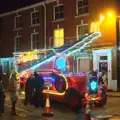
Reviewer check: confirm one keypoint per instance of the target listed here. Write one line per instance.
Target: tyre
(103, 101)
(60, 84)
(73, 100)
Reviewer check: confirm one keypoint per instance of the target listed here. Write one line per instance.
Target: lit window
(17, 43)
(95, 27)
(82, 30)
(35, 17)
(17, 22)
(35, 40)
(82, 7)
(58, 12)
(58, 37)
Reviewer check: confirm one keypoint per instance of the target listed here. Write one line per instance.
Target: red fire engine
(57, 67)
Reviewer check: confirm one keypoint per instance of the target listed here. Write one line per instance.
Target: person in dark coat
(28, 90)
(38, 90)
(5, 80)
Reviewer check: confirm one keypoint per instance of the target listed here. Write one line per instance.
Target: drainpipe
(44, 25)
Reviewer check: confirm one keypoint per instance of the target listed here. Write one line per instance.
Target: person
(38, 90)
(105, 79)
(5, 80)
(13, 91)
(99, 75)
(28, 90)
(2, 97)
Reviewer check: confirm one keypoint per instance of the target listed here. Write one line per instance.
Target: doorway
(102, 61)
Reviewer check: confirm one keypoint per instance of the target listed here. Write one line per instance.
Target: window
(58, 12)
(35, 40)
(35, 17)
(82, 7)
(95, 27)
(17, 43)
(58, 37)
(17, 22)
(82, 30)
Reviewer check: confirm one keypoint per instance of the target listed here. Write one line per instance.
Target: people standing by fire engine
(13, 91)
(28, 90)
(38, 87)
(5, 80)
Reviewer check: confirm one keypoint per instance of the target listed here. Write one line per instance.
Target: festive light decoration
(93, 85)
(61, 64)
(69, 51)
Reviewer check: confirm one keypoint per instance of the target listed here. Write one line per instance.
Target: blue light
(49, 78)
(61, 64)
(93, 85)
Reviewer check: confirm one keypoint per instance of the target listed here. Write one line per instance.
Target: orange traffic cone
(47, 112)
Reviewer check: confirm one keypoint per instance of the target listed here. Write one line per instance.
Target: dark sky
(8, 5)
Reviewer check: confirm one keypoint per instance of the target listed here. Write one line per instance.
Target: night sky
(9, 5)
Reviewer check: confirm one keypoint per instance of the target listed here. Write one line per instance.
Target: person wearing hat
(13, 91)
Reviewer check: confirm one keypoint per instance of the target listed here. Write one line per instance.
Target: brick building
(52, 23)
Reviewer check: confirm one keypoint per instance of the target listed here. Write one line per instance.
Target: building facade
(52, 23)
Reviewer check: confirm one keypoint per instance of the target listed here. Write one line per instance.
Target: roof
(10, 5)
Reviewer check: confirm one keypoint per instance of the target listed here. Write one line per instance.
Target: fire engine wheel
(60, 84)
(73, 100)
(103, 101)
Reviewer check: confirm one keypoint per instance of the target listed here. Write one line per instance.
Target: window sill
(35, 25)
(17, 29)
(58, 20)
(81, 15)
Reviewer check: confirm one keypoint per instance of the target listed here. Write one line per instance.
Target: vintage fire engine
(57, 67)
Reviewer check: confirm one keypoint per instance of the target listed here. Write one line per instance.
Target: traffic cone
(87, 112)
(47, 112)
